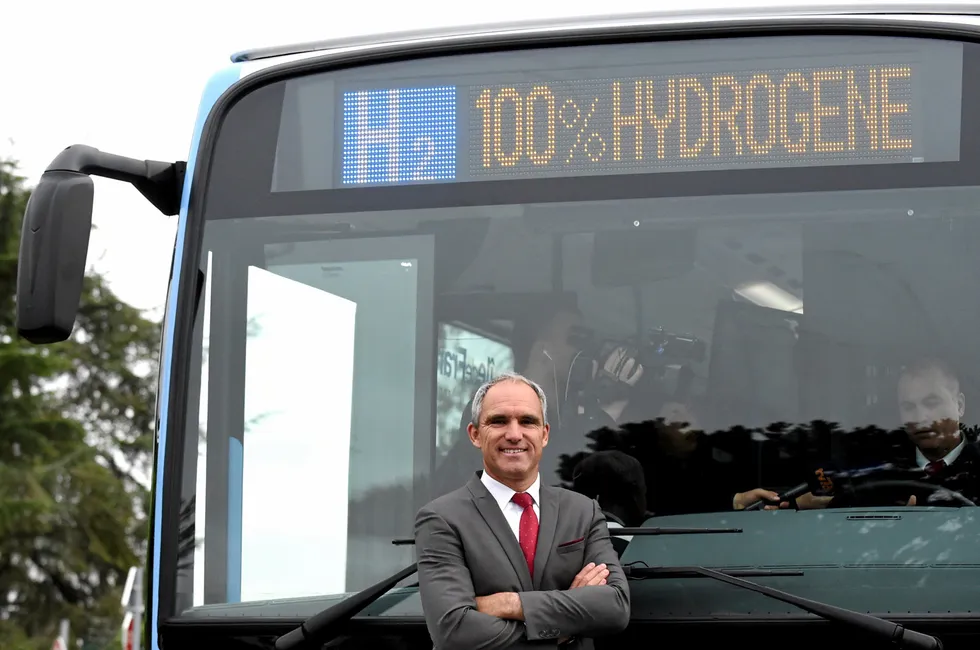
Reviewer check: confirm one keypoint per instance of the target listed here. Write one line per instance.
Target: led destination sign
(694, 121)
(761, 115)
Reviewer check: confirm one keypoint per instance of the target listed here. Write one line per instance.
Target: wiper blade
(647, 530)
(616, 532)
(893, 632)
(324, 626)
(667, 572)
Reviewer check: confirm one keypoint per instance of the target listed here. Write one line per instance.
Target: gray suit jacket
(466, 549)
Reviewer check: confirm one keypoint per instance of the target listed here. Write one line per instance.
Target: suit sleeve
(587, 611)
(448, 597)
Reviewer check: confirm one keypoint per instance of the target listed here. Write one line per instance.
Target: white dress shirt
(948, 458)
(503, 495)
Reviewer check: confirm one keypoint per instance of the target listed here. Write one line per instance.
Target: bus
(632, 211)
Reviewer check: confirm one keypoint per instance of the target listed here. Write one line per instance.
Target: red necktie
(529, 528)
(935, 467)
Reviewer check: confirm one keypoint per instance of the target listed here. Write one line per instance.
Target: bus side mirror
(57, 226)
(53, 249)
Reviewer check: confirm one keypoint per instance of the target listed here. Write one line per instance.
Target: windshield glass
(709, 329)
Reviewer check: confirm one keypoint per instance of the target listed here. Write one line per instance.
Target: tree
(76, 423)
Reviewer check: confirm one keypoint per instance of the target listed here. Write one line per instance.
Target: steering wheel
(871, 485)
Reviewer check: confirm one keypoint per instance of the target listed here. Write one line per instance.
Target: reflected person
(616, 481)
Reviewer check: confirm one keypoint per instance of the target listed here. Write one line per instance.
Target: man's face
(931, 406)
(511, 433)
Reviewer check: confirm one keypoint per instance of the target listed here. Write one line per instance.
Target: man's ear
(961, 404)
(474, 433)
(544, 437)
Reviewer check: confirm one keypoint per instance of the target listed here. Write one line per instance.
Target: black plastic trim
(184, 317)
(239, 198)
(966, 621)
(600, 188)
(763, 630)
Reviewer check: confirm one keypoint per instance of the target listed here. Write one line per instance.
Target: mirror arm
(58, 223)
(161, 183)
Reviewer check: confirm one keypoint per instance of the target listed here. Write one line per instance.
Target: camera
(655, 350)
(663, 349)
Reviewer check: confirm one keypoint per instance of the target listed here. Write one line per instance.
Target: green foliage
(77, 419)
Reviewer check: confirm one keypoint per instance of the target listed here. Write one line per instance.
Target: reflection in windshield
(698, 370)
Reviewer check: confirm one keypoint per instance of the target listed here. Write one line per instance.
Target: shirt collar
(949, 459)
(503, 494)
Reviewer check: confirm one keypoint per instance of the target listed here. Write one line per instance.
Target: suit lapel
(490, 511)
(547, 526)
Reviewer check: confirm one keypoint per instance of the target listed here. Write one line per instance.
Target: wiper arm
(667, 572)
(322, 627)
(893, 632)
(616, 532)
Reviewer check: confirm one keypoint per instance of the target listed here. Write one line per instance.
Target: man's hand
(743, 500)
(591, 576)
(505, 604)
(810, 502)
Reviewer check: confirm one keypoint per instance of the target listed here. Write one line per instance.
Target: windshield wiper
(322, 627)
(326, 625)
(893, 632)
(616, 532)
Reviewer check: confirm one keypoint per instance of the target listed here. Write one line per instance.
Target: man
(930, 405)
(505, 561)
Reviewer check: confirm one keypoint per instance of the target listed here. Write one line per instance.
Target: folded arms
(448, 598)
(588, 611)
(596, 603)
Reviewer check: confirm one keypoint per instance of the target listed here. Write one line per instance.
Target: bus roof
(702, 14)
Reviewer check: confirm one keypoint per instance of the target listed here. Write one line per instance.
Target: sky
(128, 81)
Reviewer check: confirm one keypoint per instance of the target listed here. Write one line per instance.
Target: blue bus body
(217, 85)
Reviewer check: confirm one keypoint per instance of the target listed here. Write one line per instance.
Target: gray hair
(481, 393)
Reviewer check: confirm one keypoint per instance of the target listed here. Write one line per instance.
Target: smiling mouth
(513, 452)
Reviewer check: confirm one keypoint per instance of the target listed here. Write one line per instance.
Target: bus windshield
(739, 268)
